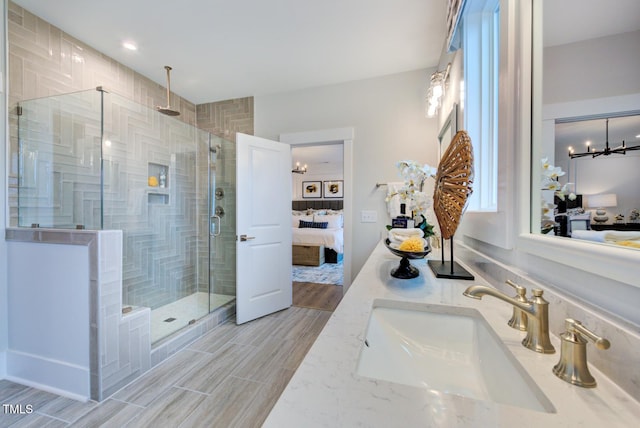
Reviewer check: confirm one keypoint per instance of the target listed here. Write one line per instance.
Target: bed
(318, 235)
(629, 239)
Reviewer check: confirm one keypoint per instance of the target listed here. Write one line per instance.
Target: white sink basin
(447, 349)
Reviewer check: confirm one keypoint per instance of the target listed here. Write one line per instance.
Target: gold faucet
(537, 310)
(572, 366)
(519, 317)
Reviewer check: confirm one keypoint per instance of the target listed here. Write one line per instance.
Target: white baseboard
(49, 375)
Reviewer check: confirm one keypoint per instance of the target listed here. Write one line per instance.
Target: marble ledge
(326, 391)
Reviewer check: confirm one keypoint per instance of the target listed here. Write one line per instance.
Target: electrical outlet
(368, 216)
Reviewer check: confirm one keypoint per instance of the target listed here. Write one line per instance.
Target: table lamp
(600, 202)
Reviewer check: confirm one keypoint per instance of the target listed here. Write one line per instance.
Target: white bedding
(329, 238)
(606, 235)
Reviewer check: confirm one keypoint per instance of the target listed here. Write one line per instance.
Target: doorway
(329, 138)
(317, 178)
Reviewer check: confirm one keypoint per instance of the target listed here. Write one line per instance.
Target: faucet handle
(599, 342)
(519, 317)
(572, 366)
(521, 291)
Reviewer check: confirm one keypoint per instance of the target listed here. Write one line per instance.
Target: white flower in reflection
(549, 181)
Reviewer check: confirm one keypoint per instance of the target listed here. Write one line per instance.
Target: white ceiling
(223, 49)
(568, 21)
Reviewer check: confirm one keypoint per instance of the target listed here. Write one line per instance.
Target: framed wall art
(333, 189)
(311, 189)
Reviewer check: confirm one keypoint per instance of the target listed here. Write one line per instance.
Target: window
(481, 47)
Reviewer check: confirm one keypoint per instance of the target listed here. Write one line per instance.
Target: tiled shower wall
(164, 241)
(224, 119)
(43, 61)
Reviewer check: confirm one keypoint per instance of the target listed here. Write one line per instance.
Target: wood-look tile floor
(317, 296)
(231, 377)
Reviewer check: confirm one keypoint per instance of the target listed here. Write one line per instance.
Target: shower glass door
(58, 162)
(222, 257)
(155, 174)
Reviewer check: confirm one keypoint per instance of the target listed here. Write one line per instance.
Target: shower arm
(167, 110)
(166, 67)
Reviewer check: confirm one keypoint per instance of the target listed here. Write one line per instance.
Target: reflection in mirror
(589, 75)
(608, 195)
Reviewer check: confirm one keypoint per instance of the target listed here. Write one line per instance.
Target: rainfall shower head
(168, 110)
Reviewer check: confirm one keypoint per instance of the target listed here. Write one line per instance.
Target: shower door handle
(213, 230)
(244, 238)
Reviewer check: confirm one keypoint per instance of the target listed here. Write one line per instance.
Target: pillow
(296, 219)
(334, 221)
(295, 213)
(313, 225)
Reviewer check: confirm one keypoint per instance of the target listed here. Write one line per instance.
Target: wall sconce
(437, 86)
(299, 169)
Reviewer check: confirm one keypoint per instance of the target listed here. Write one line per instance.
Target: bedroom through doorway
(317, 225)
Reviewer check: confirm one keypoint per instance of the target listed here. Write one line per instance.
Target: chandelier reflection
(622, 149)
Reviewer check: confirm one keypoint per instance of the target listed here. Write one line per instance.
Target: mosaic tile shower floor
(170, 318)
(327, 273)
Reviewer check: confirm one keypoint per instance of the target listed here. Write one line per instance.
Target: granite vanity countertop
(326, 391)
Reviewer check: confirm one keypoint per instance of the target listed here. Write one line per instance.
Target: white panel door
(263, 214)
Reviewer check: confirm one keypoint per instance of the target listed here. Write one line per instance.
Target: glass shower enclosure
(95, 160)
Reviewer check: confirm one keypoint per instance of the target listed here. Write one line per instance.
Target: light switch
(368, 216)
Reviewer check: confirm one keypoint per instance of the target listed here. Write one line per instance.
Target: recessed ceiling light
(130, 45)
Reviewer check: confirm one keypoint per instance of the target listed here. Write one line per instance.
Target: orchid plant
(412, 194)
(549, 181)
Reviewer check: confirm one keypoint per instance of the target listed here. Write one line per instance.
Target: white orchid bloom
(429, 171)
(553, 185)
(556, 172)
(545, 164)
(414, 175)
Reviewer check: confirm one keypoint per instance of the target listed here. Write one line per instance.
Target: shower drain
(170, 319)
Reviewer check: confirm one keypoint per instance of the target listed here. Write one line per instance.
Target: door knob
(246, 238)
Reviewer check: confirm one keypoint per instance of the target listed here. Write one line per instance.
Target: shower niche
(158, 176)
(158, 182)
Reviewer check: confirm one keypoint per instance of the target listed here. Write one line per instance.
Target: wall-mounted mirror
(448, 130)
(589, 80)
